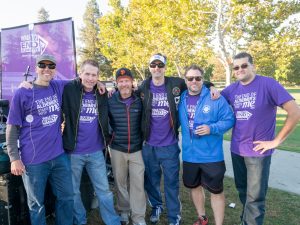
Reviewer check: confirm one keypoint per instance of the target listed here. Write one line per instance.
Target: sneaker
(178, 221)
(124, 219)
(155, 214)
(201, 221)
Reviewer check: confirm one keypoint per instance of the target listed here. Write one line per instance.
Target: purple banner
(21, 45)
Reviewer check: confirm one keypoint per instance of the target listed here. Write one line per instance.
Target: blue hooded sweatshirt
(218, 115)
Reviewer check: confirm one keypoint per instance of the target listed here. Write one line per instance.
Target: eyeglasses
(190, 79)
(51, 66)
(243, 66)
(159, 65)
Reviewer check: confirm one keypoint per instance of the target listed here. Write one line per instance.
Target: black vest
(125, 122)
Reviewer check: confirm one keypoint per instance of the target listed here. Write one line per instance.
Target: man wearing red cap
(125, 113)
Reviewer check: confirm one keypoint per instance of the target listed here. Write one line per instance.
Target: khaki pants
(129, 198)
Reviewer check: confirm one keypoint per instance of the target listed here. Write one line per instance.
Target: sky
(19, 12)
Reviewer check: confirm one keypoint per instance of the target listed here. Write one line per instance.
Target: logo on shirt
(245, 101)
(243, 115)
(89, 111)
(159, 112)
(49, 120)
(87, 119)
(206, 109)
(160, 100)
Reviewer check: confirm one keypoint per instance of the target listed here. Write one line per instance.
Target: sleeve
(225, 119)
(278, 94)
(225, 92)
(12, 135)
(16, 112)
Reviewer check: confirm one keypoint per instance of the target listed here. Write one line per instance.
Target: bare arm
(293, 117)
(12, 134)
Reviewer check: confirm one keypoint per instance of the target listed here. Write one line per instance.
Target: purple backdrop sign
(21, 45)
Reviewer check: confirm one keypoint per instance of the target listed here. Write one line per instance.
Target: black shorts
(208, 175)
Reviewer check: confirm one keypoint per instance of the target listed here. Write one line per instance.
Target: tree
(129, 36)
(279, 57)
(89, 38)
(195, 31)
(43, 15)
(238, 23)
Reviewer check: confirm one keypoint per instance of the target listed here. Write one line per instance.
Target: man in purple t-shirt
(84, 136)
(35, 118)
(254, 99)
(160, 95)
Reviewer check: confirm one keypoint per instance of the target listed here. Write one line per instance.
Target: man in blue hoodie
(203, 123)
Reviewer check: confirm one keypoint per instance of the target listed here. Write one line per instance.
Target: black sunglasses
(198, 78)
(160, 65)
(51, 66)
(243, 66)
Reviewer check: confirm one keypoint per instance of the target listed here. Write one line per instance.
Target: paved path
(284, 173)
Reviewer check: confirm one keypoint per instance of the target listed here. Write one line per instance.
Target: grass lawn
(292, 143)
(281, 208)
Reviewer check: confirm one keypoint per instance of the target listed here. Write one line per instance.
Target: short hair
(193, 67)
(89, 62)
(244, 55)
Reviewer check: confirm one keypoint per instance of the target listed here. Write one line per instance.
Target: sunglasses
(159, 65)
(198, 78)
(243, 66)
(51, 66)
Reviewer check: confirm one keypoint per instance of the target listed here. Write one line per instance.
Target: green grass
(292, 143)
(281, 208)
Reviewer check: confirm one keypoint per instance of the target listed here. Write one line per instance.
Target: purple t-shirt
(37, 112)
(128, 101)
(161, 132)
(191, 104)
(89, 136)
(255, 107)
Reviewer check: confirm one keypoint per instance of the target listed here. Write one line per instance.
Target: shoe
(124, 219)
(155, 214)
(141, 223)
(201, 221)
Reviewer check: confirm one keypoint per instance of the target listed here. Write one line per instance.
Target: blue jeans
(251, 176)
(157, 160)
(96, 169)
(58, 171)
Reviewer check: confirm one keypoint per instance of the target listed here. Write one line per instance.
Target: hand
(214, 93)
(25, 84)
(202, 130)
(62, 126)
(111, 92)
(101, 87)
(264, 146)
(17, 167)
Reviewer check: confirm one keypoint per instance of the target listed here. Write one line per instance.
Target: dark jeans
(164, 160)
(251, 176)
